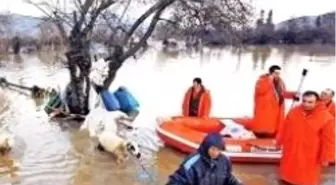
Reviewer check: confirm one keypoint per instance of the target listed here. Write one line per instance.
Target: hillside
(23, 25)
(29, 25)
(327, 20)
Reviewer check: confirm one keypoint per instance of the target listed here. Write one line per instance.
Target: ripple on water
(48, 149)
(42, 148)
(97, 167)
(48, 158)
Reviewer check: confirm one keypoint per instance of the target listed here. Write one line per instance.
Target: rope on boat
(267, 149)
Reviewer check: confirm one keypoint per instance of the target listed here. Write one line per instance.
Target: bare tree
(86, 14)
(220, 19)
(48, 35)
(5, 30)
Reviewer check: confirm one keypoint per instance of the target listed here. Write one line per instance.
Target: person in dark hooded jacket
(208, 166)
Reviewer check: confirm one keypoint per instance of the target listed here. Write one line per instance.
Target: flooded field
(53, 153)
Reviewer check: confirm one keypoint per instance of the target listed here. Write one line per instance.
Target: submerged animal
(118, 146)
(103, 125)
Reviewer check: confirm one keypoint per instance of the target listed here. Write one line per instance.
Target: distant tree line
(303, 30)
(294, 31)
(208, 31)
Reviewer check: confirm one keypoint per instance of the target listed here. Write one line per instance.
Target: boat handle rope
(265, 149)
(143, 168)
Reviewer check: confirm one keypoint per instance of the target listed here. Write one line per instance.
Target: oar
(303, 76)
(36, 91)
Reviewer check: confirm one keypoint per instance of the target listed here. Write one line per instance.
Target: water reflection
(17, 58)
(3, 58)
(286, 53)
(57, 153)
(260, 54)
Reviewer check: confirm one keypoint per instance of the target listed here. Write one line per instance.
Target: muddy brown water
(57, 153)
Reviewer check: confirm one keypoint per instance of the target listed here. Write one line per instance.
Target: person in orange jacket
(269, 103)
(197, 100)
(307, 138)
(327, 98)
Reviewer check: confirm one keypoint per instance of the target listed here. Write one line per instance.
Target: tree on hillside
(269, 23)
(260, 21)
(269, 19)
(318, 22)
(85, 14)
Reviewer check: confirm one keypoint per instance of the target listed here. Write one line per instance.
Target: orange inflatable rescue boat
(186, 134)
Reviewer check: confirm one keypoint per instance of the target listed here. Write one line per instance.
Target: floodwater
(56, 153)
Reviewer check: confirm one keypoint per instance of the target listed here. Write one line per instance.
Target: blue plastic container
(126, 100)
(110, 101)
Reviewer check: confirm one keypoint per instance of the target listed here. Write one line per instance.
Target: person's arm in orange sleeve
(262, 86)
(289, 94)
(184, 104)
(207, 105)
(282, 132)
(332, 110)
(328, 143)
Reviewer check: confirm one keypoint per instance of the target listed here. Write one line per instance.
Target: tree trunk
(79, 64)
(115, 63)
(16, 45)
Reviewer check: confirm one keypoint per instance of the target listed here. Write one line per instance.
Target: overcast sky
(283, 9)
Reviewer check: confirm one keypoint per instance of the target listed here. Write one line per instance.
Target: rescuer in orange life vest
(197, 100)
(308, 140)
(327, 99)
(269, 103)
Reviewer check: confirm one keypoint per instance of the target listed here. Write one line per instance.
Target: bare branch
(52, 14)
(39, 6)
(124, 11)
(149, 31)
(83, 13)
(143, 17)
(104, 5)
(168, 21)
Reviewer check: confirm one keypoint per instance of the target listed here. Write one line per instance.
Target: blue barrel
(110, 101)
(126, 100)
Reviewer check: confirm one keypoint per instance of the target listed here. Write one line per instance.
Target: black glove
(296, 98)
